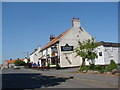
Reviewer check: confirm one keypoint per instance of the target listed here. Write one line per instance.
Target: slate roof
(108, 44)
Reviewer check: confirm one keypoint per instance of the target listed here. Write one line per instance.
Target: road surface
(33, 79)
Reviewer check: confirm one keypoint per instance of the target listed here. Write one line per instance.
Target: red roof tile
(55, 39)
(12, 61)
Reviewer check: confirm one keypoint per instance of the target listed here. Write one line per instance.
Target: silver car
(16, 67)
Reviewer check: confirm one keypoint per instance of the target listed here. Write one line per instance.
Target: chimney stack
(39, 47)
(76, 22)
(35, 49)
(52, 37)
(10, 58)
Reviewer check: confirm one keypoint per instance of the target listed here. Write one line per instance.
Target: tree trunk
(83, 63)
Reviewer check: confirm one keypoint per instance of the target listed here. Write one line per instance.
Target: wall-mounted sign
(66, 48)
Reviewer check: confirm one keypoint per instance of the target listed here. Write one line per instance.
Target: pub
(60, 49)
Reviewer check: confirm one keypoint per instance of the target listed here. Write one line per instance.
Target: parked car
(16, 67)
(2, 68)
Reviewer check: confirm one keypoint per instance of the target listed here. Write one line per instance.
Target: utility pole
(27, 54)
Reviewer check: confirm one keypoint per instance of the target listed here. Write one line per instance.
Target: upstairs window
(100, 53)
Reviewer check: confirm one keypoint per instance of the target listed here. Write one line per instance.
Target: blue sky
(27, 25)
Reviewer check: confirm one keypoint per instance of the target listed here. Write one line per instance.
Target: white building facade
(35, 56)
(106, 52)
(60, 49)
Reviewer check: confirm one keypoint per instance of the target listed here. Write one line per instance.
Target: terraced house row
(60, 49)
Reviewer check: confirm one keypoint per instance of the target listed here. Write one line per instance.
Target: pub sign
(66, 48)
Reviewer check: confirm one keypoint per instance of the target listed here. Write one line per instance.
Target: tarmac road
(33, 79)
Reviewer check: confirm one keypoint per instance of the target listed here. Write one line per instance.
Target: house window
(100, 53)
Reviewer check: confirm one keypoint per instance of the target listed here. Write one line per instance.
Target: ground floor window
(54, 60)
(43, 62)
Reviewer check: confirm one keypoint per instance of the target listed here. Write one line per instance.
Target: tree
(19, 63)
(86, 50)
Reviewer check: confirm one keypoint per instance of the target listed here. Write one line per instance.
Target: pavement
(35, 79)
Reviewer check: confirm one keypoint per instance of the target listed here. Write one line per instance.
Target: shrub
(57, 66)
(100, 68)
(111, 66)
(48, 65)
(92, 66)
(19, 63)
(85, 68)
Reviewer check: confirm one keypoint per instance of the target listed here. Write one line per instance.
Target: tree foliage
(86, 50)
(19, 63)
(112, 66)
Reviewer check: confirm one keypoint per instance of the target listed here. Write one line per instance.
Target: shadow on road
(30, 81)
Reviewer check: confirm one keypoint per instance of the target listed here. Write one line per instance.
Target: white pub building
(60, 49)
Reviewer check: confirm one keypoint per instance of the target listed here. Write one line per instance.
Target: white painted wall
(35, 56)
(72, 38)
(111, 53)
(108, 54)
(44, 52)
(100, 59)
(49, 51)
(25, 60)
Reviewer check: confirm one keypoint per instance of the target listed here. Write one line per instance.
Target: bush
(57, 66)
(92, 66)
(48, 65)
(100, 68)
(85, 68)
(19, 63)
(111, 66)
